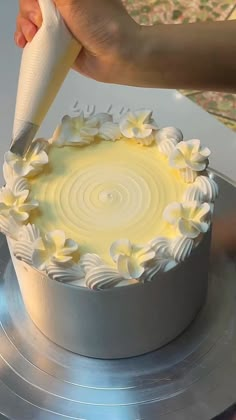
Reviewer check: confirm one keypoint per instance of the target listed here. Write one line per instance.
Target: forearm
(188, 56)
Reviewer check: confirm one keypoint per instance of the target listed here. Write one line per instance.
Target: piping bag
(45, 63)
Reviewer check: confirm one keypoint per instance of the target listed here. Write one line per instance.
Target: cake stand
(192, 378)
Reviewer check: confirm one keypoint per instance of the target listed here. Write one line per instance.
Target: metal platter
(192, 378)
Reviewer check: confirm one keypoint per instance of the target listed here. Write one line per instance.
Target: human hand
(103, 27)
(224, 236)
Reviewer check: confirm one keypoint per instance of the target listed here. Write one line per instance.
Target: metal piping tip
(23, 139)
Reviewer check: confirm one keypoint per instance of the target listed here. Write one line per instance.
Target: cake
(108, 224)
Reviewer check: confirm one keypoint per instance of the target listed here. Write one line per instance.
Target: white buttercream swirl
(130, 258)
(102, 277)
(9, 226)
(54, 247)
(181, 247)
(204, 189)
(16, 202)
(138, 125)
(65, 274)
(89, 261)
(23, 248)
(109, 131)
(32, 163)
(167, 138)
(189, 218)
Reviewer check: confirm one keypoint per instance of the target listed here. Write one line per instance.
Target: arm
(118, 50)
(190, 56)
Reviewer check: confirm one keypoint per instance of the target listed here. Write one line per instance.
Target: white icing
(138, 125)
(54, 247)
(98, 120)
(188, 175)
(102, 277)
(62, 273)
(89, 261)
(75, 131)
(30, 233)
(190, 154)
(26, 239)
(130, 258)
(161, 246)
(190, 218)
(203, 189)
(109, 131)
(15, 202)
(9, 226)
(181, 247)
(58, 256)
(32, 163)
(167, 138)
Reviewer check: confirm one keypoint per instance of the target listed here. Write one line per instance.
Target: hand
(103, 27)
(224, 236)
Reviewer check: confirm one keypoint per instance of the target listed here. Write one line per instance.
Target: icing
(203, 189)
(77, 131)
(15, 202)
(190, 218)
(109, 190)
(167, 138)
(181, 247)
(66, 274)
(138, 125)
(54, 247)
(32, 163)
(189, 157)
(130, 258)
(102, 277)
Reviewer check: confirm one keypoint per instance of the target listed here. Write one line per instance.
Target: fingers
(30, 9)
(28, 22)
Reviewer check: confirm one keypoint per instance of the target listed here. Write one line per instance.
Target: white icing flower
(204, 189)
(138, 125)
(32, 163)
(190, 218)
(130, 259)
(53, 248)
(167, 138)
(16, 202)
(77, 131)
(190, 154)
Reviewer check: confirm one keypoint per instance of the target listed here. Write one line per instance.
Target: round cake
(108, 224)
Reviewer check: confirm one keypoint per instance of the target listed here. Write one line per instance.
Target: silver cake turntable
(192, 378)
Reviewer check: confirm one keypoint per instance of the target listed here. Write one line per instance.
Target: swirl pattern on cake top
(106, 203)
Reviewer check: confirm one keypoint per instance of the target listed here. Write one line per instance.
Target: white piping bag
(46, 60)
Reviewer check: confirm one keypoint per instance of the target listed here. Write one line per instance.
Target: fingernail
(19, 39)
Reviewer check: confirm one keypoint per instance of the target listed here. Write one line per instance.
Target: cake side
(120, 322)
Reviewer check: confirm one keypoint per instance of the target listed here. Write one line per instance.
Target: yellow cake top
(106, 203)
